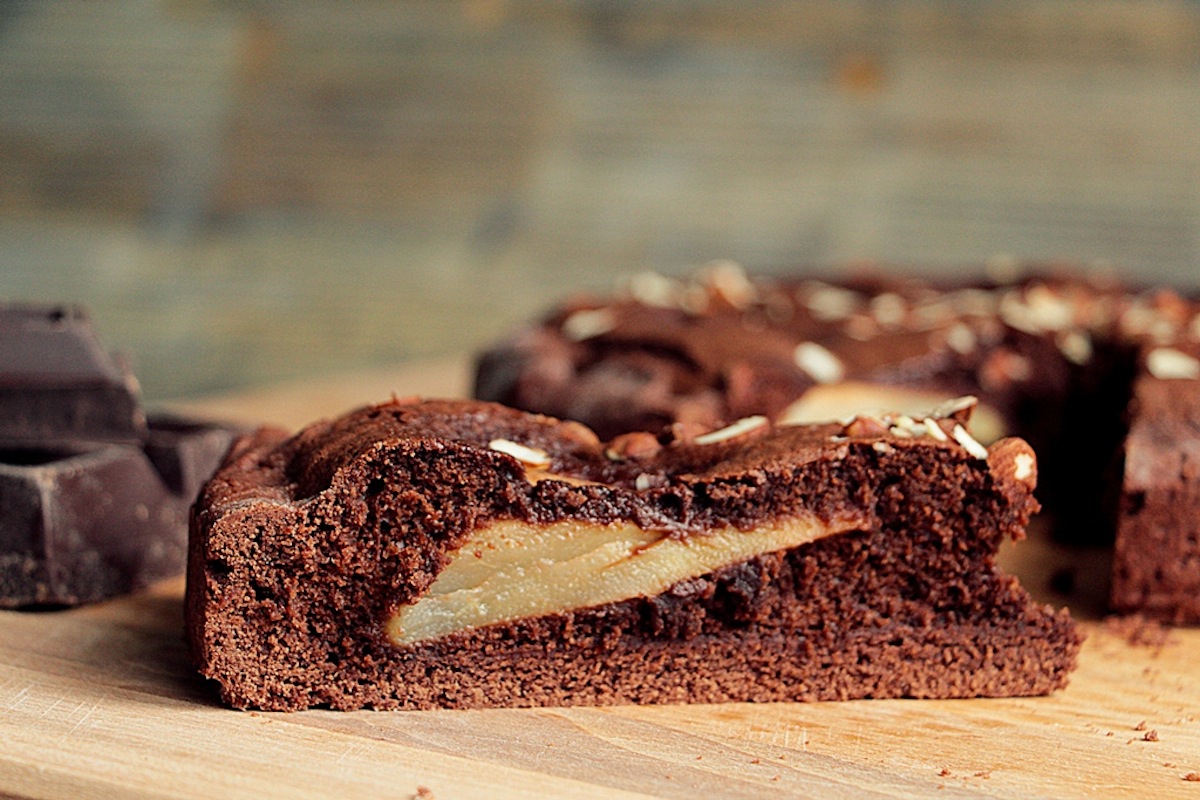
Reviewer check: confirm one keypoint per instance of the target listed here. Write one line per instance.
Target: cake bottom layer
(856, 615)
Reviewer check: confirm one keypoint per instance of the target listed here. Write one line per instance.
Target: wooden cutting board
(101, 702)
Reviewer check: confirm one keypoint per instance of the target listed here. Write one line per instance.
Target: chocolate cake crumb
(1151, 736)
(1140, 631)
(1193, 777)
(945, 773)
(1141, 726)
(424, 793)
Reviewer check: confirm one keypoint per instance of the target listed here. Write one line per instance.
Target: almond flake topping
(969, 443)
(818, 362)
(652, 289)
(526, 455)
(952, 407)
(831, 303)
(1076, 346)
(727, 279)
(739, 428)
(961, 339)
(588, 323)
(1050, 311)
(1038, 311)
(889, 308)
(643, 482)
(1167, 363)
(935, 430)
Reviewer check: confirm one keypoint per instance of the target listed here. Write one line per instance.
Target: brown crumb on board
(987, 773)
(423, 793)
(945, 773)
(1139, 631)
(1193, 777)
(1151, 736)
(1141, 726)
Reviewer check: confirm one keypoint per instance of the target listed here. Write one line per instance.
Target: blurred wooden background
(249, 191)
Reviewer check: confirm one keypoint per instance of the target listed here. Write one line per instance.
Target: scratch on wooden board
(352, 751)
(15, 702)
(79, 723)
(50, 708)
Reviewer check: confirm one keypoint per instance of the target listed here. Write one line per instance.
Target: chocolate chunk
(94, 497)
(57, 384)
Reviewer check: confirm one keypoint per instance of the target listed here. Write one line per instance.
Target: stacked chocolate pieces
(94, 497)
(1103, 380)
(463, 554)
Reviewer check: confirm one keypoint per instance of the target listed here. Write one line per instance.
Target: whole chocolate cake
(1053, 355)
(460, 554)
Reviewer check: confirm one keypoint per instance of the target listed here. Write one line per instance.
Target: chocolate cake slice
(460, 554)
(1156, 565)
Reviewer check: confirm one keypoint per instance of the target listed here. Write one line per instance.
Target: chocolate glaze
(302, 547)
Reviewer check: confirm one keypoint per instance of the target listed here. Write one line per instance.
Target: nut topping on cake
(588, 323)
(889, 309)
(652, 289)
(526, 455)
(739, 428)
(1167, 363)
(830, 303)
(822, 365)
(1076, 345)
(969, 442)
(1023, 466)
(635, 445)
(952, 409)
(961, 339)
(935, 430)
(727, 281)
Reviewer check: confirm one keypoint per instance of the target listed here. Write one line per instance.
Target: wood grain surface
(102, 702)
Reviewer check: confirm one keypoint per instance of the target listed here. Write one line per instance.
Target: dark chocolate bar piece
(94, 498)
(58, 385)
(85, 522)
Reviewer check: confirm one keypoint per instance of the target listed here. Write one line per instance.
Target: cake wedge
(461, 554)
